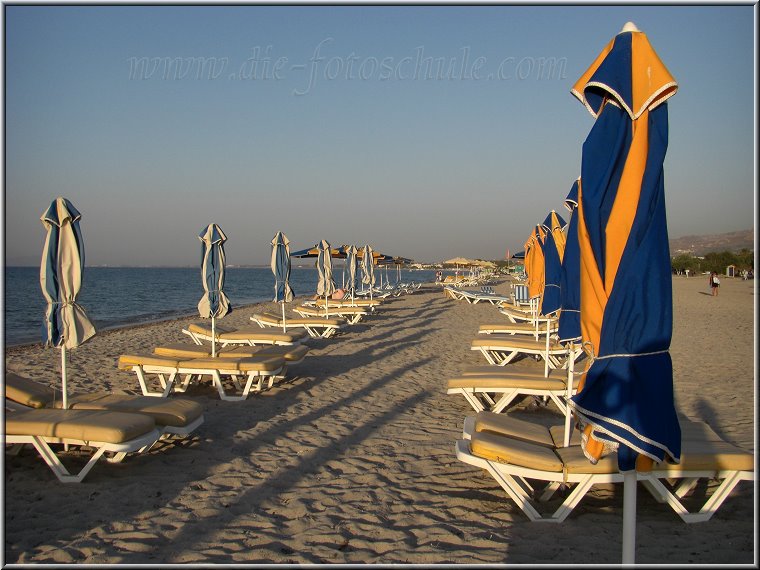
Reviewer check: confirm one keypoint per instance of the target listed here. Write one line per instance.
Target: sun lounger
(346, 302)
(496, 389)
(175, 417)
(352, 314)
(513, 460)
(250, 336)
(255, 370)
(103, 431)
(501, 349)
(317, 327)
(292, 354)
(521, 328)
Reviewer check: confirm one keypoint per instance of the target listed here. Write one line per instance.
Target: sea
(116, 297)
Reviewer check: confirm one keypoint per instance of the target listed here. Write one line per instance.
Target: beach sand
(351, 459)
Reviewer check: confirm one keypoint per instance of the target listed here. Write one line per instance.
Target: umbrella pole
(282, 303)
(569, 393)
(629, 517)
(64, 379)
(213, 338)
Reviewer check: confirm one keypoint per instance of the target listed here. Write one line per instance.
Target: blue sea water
(121, 296)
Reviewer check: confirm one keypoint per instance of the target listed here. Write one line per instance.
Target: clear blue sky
(153, 121)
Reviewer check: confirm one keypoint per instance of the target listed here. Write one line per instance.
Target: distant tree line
(715, 261)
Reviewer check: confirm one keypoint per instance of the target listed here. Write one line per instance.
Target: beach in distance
(350, 458)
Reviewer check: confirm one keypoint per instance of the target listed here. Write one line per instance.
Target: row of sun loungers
(111, 426)
(517, 454)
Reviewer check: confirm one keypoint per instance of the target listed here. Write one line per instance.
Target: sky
(429, 132)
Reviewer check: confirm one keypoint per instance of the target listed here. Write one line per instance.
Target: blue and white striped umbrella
(66, 325)
(326, 285)
(283, 293)
(368, 268)
(214, 302)
(351, 264)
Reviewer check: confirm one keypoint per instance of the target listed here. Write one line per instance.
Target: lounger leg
(504, 401)
(473, 400)
(572, 500)
(166, 384)
(513, 489)
(685, 486)
(58, 468)
(508, 358)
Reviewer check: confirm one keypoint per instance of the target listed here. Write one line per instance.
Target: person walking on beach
(714, 283)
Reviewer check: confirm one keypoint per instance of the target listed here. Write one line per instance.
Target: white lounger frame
(42, 445)
(167, 377)
(352, 317)
(199, 337)
(315, 329)
(513, 479)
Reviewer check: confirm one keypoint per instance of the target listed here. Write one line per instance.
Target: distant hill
(700, 245)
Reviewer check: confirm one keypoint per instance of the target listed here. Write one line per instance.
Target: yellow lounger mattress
(84, 425)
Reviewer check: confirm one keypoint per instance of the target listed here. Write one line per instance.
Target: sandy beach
(351, 458)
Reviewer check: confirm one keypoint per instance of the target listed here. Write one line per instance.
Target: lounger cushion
(127, 361)
(504, 382)
(515, 452)
(174, 412)
(181, 350)
(84, 425)
(515, 343)
(297, 321)
(293, 353)
(712, 455)
(576, 462)
(184, 351)
(502, 424)
(558, 436)
(262, 363)
(345, 310)
(223, 333)
(528, 327)
(27, 392)
(491, 370)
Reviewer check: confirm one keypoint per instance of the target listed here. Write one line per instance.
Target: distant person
(687, 273)
(714, 283)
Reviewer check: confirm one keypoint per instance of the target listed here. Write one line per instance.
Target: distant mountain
(700, 245)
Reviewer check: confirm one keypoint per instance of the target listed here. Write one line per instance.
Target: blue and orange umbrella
(570, 278)
(553, 249)
(625, 399)
(534, 262)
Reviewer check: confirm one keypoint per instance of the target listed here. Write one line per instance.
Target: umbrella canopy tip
(629, 27)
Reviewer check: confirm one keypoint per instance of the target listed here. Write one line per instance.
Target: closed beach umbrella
(61, 269)
(351, 267)
(280, 264)
(570, 279)
(368, 269)
(214, 302)
(625, 401)
(325, 285)
(535, 261)
(553, 251)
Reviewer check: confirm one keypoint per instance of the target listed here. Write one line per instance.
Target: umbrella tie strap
(588, 348)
